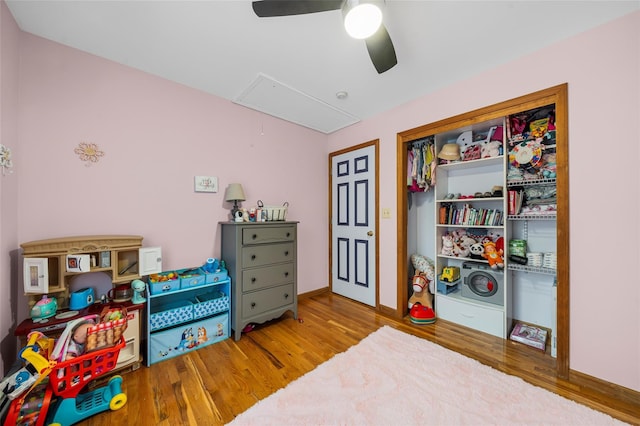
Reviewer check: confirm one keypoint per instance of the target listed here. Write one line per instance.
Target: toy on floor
(420, 314)
(423, 281)
(421, 293)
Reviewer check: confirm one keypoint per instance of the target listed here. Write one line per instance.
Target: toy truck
(450, 274)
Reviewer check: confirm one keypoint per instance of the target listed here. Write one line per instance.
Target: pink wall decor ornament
(5, 160)
(88, 152)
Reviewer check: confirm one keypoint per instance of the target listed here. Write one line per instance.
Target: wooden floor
(212, 385)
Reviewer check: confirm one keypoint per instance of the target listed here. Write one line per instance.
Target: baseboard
(621, 393)
(389, 312)
(382, 310)
(313, 293)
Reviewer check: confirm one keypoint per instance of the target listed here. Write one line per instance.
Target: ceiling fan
(379, 44)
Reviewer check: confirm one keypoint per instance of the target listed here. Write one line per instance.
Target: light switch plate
(205, 183)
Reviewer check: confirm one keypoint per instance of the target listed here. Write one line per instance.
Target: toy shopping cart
(66, 380)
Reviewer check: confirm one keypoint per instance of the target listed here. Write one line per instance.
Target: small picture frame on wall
(205, 184)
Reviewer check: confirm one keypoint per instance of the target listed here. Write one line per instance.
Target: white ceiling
(223, 48)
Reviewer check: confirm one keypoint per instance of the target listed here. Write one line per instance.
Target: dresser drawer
(266, 255)
(258, 302)
(474, 316)
(268, 234)
(269, 276)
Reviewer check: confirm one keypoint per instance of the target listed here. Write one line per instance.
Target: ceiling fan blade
(381, 50)
(268, 8)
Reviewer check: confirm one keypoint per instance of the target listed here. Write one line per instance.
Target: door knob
(370, 233)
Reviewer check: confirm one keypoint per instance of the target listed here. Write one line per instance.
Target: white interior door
(353, 224)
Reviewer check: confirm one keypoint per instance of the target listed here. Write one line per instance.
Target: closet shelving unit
(546, 232)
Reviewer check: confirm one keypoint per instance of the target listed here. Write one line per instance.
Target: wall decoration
(205, 183)
(5, 160)
(88, 152)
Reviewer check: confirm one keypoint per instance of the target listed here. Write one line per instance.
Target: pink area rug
(393, 378)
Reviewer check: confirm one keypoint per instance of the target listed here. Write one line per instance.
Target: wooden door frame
(557, 95)
(376, 144)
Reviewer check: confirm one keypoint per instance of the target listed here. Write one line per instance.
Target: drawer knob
(286, 253)
(286, 295)
(288, 234)
(253, 279)
(253, 305)
(254, 236)
(286, 274)
(253, 257)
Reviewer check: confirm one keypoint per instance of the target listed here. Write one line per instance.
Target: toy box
(445, 287)
(214, 277)
(179, 340)
(170, 314)
(191, 277)
(210, 303)
(164, 282)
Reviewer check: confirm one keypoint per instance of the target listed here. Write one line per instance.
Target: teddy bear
(490, 149)
(493, 255)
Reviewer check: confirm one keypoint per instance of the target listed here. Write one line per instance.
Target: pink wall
(602, 70)
(9, 33)
(156, 136)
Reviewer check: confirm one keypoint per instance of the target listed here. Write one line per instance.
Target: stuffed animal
(447, 245)
(491, 149)
(476, 251)
(493, 255)
(459, 250)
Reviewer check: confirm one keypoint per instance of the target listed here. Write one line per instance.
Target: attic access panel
(270, 96)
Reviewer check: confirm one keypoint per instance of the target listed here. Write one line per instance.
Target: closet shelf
(530, 182)
(536, 269)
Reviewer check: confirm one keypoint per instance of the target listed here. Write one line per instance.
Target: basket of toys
(69, 377)
(274, 213)
(87, 348)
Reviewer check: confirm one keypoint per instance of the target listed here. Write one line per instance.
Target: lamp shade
(234, 192)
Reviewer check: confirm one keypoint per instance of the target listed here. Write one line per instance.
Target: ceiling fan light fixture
(361, 20)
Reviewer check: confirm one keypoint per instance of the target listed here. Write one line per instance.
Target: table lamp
(235, 193)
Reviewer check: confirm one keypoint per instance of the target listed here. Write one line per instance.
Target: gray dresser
(261, 259)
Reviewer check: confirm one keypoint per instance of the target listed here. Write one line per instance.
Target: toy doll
(78, 340)
(493, 255)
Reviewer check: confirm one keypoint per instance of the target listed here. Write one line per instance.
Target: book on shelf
(529, 335)
(515, 199)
